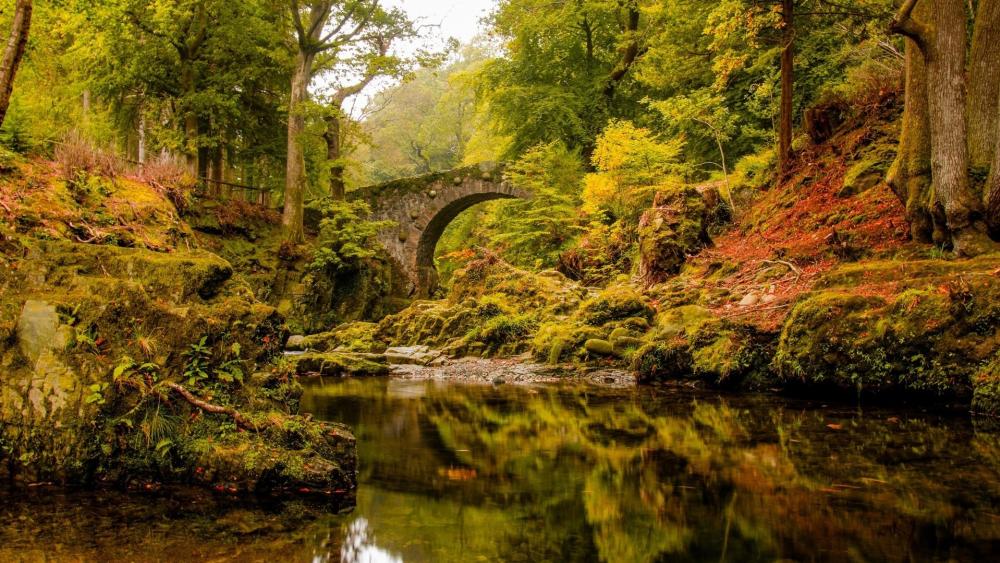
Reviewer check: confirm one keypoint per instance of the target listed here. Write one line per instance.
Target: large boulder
(925, 327)
(676, 226)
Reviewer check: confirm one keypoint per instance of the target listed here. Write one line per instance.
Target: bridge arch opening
(427, 275)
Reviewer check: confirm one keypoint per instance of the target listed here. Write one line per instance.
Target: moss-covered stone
(339, 364)
(101, 334)
(675, 227)
(351, 337)
(494, 309)
(986, 389)
(599, 347)
(662, 361)
(614, 304)
(929, 334)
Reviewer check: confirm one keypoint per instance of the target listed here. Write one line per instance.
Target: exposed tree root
(240, 420)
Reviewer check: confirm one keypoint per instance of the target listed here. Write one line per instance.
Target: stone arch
(423, 207)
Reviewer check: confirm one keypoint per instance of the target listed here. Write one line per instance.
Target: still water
(572, 473)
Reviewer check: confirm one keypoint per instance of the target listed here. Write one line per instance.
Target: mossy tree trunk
(16, 43)
(984, 85)
(295, 169)
(943, 43)
(334, 156)
(992, 192)
(910, 176)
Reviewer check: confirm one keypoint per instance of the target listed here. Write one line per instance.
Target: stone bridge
(422, 207)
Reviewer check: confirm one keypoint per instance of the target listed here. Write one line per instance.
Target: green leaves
(95, 394)
(198, 357)
(346, 237)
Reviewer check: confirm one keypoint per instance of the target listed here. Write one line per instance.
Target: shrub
(170, 177)
(77, 159)
(346, 237)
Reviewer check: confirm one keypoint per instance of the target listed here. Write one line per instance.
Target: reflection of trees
(558, 473)
(757, 482)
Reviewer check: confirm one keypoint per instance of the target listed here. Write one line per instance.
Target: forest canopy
(320, 97)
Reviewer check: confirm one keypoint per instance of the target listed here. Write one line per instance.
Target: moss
(352, 337)
(986, 389)
(614, 304)
(926, 338)
(684, 320)
(599, 347)
(339, 364)
(562, 341)
(505, 329)
(675, 227)
(85, 411)
(869, 171)
(662, 361)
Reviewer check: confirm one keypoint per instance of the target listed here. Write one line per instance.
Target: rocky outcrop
(122, 364)
(928, 327)
(677, 225)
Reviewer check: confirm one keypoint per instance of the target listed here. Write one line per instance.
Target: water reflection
(476, 473)
(515, 474)
(359, 546)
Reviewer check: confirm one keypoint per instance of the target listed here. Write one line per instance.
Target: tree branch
(904, 24)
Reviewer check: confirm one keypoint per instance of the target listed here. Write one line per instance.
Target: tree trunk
(191, 130)
(334, 155)
(295, 171)
(910, 175)
(141, 149)
(216, 171)
(629, 53)
(787, 85)
(992, 194)
(945, 56)
(16, 44)
(984, 85)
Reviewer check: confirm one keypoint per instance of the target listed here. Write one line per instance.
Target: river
(459, 472)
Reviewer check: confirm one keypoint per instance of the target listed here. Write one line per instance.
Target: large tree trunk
(945, 56)
(910, 175)
(16, 44)
(334, 155)
(216, 171)
(992, 193)
(984, 85)
(787, 84)
(295, 171)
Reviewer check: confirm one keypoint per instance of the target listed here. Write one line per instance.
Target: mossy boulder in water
(691, 342)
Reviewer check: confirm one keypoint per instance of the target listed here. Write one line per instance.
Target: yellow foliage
(632, 165)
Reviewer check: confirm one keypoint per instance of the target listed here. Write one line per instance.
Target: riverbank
(129, 355)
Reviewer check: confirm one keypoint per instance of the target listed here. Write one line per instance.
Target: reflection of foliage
(643, 476)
